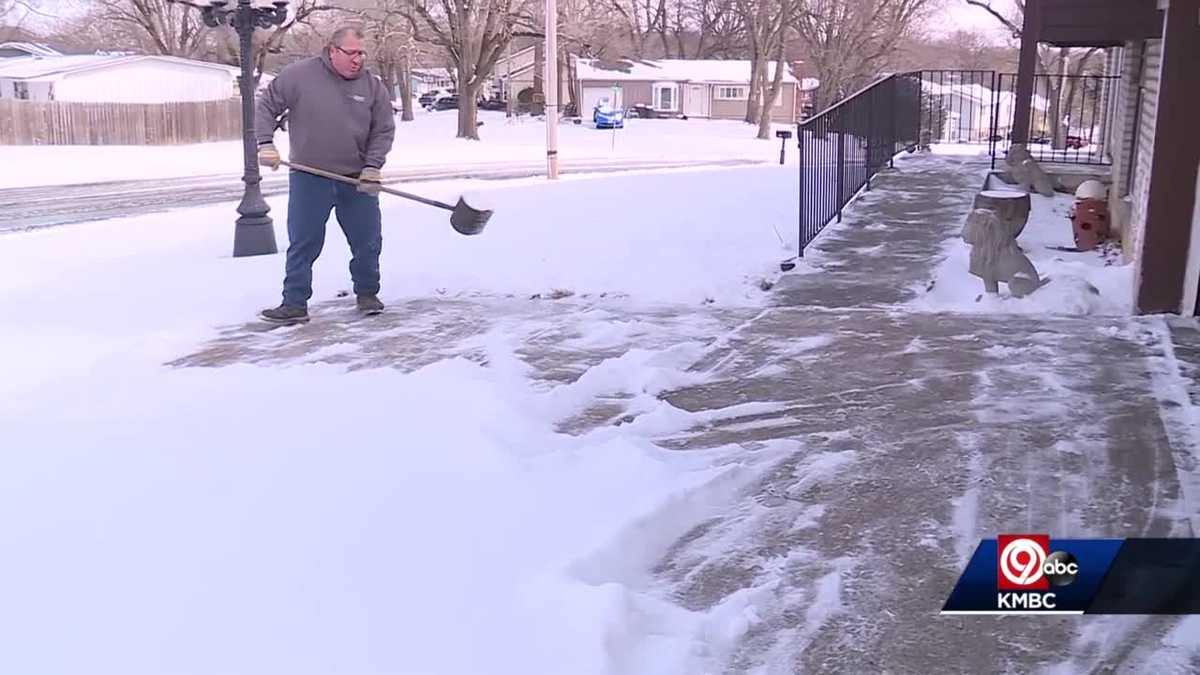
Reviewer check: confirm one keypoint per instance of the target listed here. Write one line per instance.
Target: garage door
(593, 95)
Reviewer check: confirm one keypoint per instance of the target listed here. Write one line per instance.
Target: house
(959, 101)
(711, 89)
(1154, 198)
(99, 78)
(513, 72)
(425, 80)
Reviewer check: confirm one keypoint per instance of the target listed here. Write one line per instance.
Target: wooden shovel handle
(355, 181)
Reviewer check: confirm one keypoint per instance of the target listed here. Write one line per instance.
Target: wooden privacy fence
(73, 123)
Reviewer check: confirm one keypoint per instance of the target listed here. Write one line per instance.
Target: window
(666, 96)
(21, 90)
(732, 93)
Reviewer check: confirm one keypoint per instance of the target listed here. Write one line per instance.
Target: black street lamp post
(254, 233)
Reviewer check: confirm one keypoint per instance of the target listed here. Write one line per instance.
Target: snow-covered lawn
(304, 519)
(1094, 282)
(427, 141)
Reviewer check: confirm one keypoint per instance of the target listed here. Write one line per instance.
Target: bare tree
(969, 49)
(721, 29)
(765, 22)
(959, 50)
(848, 41)
(272, 42)
(585, 28)
(473, 34)
(13, 15)
(393, 44)
(1054, 66)
(639, 19)
(157, 26)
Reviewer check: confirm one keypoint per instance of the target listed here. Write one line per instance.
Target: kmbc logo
(1025, 563)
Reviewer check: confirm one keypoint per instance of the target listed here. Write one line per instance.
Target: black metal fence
(1068, 117)
(843, 147)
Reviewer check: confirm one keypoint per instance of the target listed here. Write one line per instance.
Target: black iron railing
(1067, 117)
(843, 147)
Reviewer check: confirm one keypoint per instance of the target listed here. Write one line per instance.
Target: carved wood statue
(995, 256)
(1010, 206)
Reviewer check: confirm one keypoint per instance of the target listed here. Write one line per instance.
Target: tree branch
(986, 5)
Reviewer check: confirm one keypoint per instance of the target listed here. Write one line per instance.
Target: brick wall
(1143, 152)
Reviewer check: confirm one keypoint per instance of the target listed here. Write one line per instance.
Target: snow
(958, 149)
(280, 526)
(307, 519)
(1096, 282)
(428, 141)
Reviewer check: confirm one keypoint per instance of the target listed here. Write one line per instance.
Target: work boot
(369, 304)
(286, 314)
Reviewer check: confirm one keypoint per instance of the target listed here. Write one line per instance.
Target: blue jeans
(310, 199)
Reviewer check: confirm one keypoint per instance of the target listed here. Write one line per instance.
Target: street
(31, 208)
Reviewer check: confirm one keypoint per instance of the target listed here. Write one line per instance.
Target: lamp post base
(254, 235)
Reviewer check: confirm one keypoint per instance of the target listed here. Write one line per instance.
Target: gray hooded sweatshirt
(334, 123)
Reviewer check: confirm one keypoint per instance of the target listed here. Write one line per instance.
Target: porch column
(1025, 72)
(1172, 194)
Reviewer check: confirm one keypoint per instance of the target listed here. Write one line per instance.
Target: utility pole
(551, 89)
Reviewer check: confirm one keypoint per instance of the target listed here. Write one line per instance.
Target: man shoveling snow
(340, 119)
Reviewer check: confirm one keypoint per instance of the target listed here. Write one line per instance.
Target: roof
(440, 73)
(55, 67)
(30, 48)
(711, 71)
(978, 93)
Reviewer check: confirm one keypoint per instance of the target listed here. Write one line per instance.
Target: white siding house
(1131, 141)
(115, 79)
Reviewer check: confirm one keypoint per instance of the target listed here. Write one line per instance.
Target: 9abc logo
(1026, 563)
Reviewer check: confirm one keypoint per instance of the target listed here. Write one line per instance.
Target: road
(31, 208)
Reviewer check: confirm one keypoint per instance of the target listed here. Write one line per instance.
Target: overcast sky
(962, 15)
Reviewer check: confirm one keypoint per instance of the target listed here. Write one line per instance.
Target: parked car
(430, 97)
(493, 104)
(644, 111)
(445, 103)
(607, 117)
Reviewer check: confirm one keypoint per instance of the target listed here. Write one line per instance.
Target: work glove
(369, 180)
(268, 156)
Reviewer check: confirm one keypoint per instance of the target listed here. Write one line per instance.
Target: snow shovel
(464, 219)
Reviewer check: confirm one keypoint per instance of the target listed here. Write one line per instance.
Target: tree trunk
(756, 67)
(768, 107)
(559, 69)
(387, 74)
(467, 107)
(573, 86)
(406, 114)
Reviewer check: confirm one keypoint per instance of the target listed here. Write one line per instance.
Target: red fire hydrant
(1089, 215)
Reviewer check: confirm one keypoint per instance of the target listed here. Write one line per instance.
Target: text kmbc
(1025, 563)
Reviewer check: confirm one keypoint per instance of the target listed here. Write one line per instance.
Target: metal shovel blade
(467, 220)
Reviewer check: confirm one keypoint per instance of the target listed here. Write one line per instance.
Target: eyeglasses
(352, 53)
